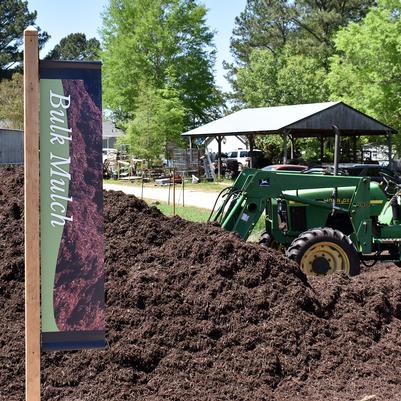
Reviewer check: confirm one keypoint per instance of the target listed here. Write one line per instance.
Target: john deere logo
(264, 183)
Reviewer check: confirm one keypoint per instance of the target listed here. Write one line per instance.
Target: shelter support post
(321, 139)
(361, 150)
(251, 146)
(293, 140)
(390, 148)
(190, 150)
(354, 141)
(285, 146)
(336, 148)
(219, 139)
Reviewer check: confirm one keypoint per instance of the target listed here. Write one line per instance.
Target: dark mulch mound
(195, 313)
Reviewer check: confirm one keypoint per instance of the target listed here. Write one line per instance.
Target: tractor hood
(344, 196)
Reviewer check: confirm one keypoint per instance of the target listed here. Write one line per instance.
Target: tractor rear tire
(323, 251)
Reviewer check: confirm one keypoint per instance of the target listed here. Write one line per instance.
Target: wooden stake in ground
(31, 190)
(183, 188)
(173, 191)
(142, 186)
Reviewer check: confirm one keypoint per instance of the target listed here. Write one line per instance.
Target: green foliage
(166, 44)
(12, 101)
(264, 24)
(275, 79)
(76, 47)
(366, 72)
(14, 18)
(188, 212)
(257, 82)
(272, 147)
(301, 80)
(158, 121)
(281, 49)
(307, 26)
(284, 49)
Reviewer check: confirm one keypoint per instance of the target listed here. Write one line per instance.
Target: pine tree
(14, 18)
(76, 47)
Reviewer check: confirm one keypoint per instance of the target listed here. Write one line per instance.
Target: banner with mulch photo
(71, 206)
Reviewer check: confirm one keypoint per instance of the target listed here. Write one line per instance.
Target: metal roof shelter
(302, 120)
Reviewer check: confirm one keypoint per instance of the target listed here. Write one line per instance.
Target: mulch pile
(195, 313)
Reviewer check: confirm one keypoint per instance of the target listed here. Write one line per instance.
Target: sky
(59, 18)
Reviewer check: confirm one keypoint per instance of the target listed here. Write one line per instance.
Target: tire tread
(312, 235)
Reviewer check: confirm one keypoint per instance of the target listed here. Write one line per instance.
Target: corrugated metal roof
(11, 146)
(301, 119)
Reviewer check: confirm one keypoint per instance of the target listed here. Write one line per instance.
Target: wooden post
(173, 191)
(183, 189)
(31, 190)
(142, 185)
(169, 187)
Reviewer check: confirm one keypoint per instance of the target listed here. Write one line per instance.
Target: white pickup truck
(243, 156)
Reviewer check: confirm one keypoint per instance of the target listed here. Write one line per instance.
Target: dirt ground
(195, 313)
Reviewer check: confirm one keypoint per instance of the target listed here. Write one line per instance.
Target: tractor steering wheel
(390, 182)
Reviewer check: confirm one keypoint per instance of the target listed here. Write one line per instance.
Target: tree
(308, 25)
(264, 24)
(296, 38)
(257, 82)
(302, 80)
(166, 44)
(158, 121)
(12, 101)
(277, 79)
(76, 47)
(14, 18)
(272, 147)
(366, 71)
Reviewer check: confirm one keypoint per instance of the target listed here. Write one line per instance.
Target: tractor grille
(298, 218)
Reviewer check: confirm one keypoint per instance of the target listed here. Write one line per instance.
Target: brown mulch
(195, 313)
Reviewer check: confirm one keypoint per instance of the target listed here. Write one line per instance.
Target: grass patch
(190, 213)
(199, 215)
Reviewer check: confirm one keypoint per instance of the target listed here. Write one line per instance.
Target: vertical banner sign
(71, 206)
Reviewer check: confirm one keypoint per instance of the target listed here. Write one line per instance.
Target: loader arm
(246, 200)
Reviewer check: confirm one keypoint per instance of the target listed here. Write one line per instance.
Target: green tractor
(324, 223)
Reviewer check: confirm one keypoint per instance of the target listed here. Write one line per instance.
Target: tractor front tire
(265, 240)
(323, 251)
